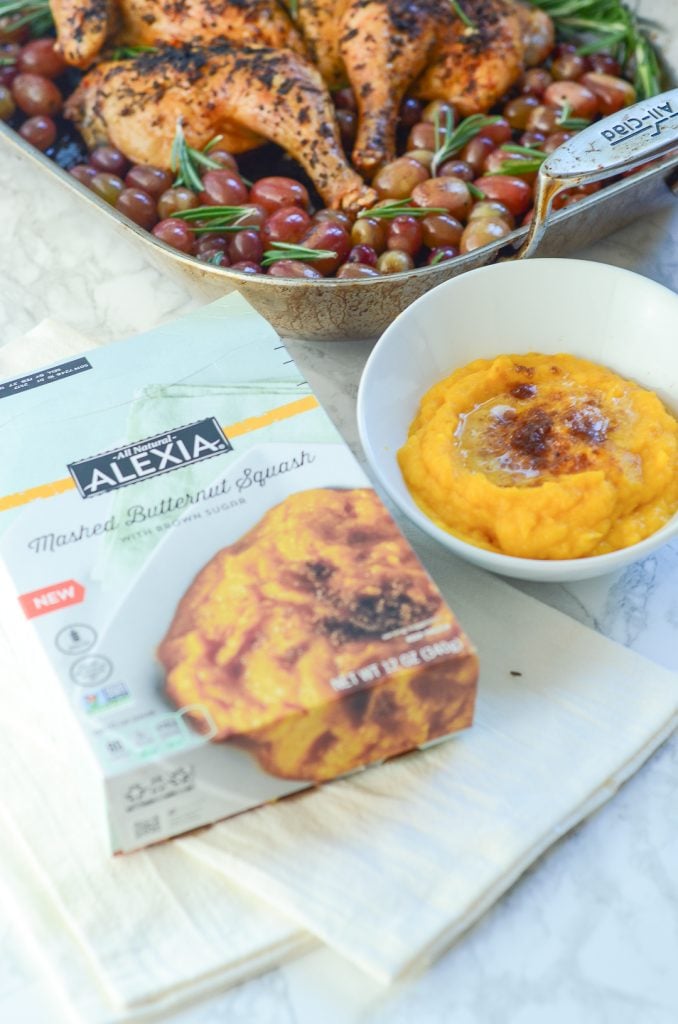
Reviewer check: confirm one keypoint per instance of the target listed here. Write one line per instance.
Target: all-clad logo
(150, 457)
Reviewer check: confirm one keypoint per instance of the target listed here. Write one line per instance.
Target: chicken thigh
(223, 89)
(84, 27)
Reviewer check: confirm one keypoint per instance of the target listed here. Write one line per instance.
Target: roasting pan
(332, 310)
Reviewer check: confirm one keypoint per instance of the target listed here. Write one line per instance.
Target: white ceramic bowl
(599, 312)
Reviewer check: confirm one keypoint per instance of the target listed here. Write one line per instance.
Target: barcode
(147, 826)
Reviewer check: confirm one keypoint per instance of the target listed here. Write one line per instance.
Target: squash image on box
(319, 642)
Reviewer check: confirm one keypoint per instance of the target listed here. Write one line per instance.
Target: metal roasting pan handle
(646, 131)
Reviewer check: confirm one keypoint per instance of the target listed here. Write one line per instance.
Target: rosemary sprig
(293, 8)
(438, 258)
(35, 14)
(129, 52)
(608, 25)
(455, 139)
(569, 123)
(217, 258)
(7, 62)
(476, 193)
(217, 218)
(185, 160)
(535, 158)
(399, 208)
(462, 15)
(288, 251)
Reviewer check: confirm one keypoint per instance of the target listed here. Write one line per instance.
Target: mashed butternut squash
(543, 457)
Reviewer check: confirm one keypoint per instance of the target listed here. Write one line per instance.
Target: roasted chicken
(227, 90)
(472, 68)
(85, 27)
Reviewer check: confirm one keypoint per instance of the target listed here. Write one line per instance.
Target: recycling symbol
(135, 792)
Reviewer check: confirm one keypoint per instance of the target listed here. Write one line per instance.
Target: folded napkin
(386, 867)
(122, 938)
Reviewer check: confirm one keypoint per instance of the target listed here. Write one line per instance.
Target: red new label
(52, 598)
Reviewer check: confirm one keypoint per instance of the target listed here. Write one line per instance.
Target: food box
(229, 609)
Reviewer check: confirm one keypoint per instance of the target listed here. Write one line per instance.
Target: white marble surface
(590, 933)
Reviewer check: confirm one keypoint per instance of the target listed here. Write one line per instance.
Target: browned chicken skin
(396, 37)
(472, 68)
(277, 94)
(84, 27)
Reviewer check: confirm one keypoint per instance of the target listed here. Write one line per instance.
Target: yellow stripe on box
(281, 412)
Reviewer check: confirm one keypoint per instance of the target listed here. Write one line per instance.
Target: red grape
(338, 216)
(394, 262)
(363, 254)
(612, 93)
(356, 270)
(211, 242)
(35, 94)
(175, 233)
(332, 237)
(441, 229)
(83, 173)
(293, 268)
(7, 105)
(223, 188)
(476, 151)
(574, 95)
(397, 179)
(153, 180)
(483, 231)
(410, 111)
(246, 247)
(39, 57)
(175, 200)
(517, 111)
(288, 224)
(40, 131)
(405, 233)
(442, 254)
(108, 158)
(275, 192)
(499, 132)
(535, 81)
(438, 110)
(348, 122)
(139, 206)
(450, 193)
(370, 231)
(604, 63)
(512, 191)
(223, 158)
(568, 67)
(107, 186)
(455, 168)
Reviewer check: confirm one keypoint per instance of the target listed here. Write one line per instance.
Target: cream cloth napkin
(123, 938)
(386, 867)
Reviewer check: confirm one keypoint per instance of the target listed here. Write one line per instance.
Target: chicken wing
(274, 93)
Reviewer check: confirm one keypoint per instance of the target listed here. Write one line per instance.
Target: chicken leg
(135, 104)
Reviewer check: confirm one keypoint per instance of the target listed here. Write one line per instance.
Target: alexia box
(229, 609)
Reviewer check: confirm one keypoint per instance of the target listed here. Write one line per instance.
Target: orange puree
(543, 457)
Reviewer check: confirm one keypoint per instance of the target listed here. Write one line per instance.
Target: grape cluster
(431, 207)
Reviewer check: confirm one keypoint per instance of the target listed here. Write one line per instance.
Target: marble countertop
(590, 933)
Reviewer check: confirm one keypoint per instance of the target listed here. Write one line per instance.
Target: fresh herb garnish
(399, 208)
(534, 159)
(476, 193)
(185, 160)
(36, 14)
(438, 258)
(217, 258)
(611, 26)
(565, 120)
(293, 8)
(218, 218)
(462, 15)
(288, 251)
(455, 139)
(129, 52)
